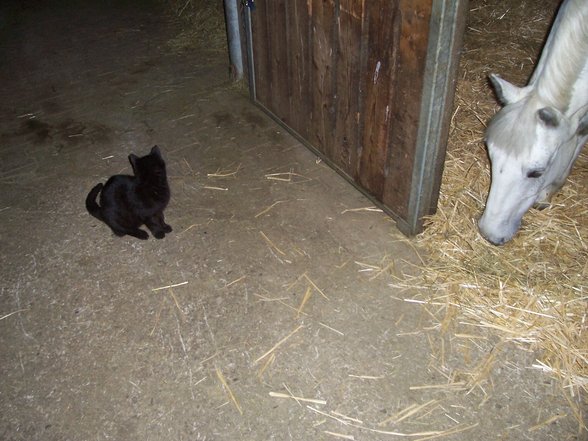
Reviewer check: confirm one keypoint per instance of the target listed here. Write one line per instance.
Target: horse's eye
(535, 173)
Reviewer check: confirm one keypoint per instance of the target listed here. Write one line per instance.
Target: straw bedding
(204, 25)
(533, 291)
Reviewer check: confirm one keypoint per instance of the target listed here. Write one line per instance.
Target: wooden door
(367, 85)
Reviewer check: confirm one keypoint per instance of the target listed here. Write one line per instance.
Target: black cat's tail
(91, 204)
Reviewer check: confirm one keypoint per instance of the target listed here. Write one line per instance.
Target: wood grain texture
(322, 71)
(298, 35)
(408, 85)
(347, 76)
(348, 79)
(261, 28)
(279, 53)
(378, 102)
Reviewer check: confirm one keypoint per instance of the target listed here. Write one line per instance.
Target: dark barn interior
(273, 311)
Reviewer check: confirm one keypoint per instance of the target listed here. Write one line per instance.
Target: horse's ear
(583, 126)
(506, 92)
(549, 116)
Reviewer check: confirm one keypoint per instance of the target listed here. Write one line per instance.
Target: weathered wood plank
(348, 59)
(322, 22)
(279, 60)
(405, 112)
(261, 55)
(298, 35)
(383, 31)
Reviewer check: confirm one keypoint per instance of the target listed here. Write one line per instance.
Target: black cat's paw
(167, 228)
(159, 235)
(140, 234)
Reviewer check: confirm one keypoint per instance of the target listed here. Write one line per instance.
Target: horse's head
(531, 146)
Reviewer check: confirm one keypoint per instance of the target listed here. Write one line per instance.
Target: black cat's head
(148, 165)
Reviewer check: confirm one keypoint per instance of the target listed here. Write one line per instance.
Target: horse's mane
(564, 55)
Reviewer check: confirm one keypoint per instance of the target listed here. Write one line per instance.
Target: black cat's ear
(155, 151)
(133, 160)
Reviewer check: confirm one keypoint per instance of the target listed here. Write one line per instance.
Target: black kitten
(127, 202)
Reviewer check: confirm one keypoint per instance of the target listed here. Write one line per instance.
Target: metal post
(234, 38)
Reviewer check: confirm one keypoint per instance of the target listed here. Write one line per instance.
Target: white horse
(535, 138)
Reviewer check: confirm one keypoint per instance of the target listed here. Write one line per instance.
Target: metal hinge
(249, 4)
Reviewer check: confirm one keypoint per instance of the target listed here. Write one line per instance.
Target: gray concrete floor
(92, 351)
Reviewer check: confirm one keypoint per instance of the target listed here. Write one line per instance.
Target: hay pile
(203, 24)
(533, 291)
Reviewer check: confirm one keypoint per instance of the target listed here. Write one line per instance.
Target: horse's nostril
(494, 241)
(540, 205)
(498, 242)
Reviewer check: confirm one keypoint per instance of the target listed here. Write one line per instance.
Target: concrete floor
(92, 351)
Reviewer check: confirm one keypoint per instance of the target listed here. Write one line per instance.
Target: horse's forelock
(512, 129)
